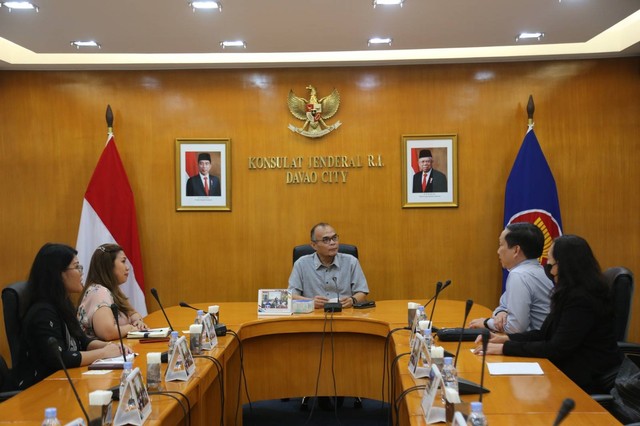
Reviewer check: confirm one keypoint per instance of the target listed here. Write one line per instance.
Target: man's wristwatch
(354, 300)
(486, 323)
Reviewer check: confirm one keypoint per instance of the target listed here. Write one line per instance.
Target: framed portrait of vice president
(429, 171)
(203, 174)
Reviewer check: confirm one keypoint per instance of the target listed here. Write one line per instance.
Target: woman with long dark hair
(578, 335)
(55, 274)
(107, 272)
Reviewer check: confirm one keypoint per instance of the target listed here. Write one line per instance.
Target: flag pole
(530, 110)
(109, 117)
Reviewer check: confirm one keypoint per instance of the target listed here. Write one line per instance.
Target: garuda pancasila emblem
(313, 112)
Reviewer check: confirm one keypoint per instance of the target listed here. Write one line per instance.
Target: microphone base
(333, 307)
(221, 329)
(466, 387)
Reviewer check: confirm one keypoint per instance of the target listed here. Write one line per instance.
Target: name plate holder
(135, 405)
(209, 337)
(181, 366)
(432, 414)
(420, 359)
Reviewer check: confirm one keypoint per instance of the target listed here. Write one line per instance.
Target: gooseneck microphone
(219, 328)
(55, 347)
(186, 305)
(567, 405)
(154, 292)
(439, 288)
(334, 306)
(446, 284)
(485, 342)
(114, 309)
(467, 309)
(466, 387)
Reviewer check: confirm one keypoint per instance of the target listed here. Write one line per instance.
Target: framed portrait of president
(429, 171)
(203, 174)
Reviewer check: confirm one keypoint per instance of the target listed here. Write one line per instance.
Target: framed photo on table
(203, 174)
(429, 171)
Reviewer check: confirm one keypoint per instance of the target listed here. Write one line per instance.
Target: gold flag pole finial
(109, 117)
(530, 110)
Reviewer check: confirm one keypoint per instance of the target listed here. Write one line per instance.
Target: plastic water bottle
(425, 330)
(449, 377)
(199, 316)
(476, 418)
(172, 341)
(51, 417)
(126, 370)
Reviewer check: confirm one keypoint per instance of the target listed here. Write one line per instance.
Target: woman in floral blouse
(107, 271)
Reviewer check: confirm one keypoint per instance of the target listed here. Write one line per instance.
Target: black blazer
(437, 182)
(575, 339)
(195, 188)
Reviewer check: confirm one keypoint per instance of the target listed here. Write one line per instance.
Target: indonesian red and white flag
(109, 216)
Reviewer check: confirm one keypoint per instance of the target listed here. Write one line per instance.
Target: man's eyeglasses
(80, 268)
(327, 240)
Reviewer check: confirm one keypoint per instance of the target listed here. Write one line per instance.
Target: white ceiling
(156, 34)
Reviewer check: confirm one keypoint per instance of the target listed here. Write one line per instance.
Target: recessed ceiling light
(379, 40)
(236, 43)
(19, 5)
(205, 5)
(79, 43)
(529, 36)
(387, 2)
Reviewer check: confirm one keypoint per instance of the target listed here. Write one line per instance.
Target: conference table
(356, 352)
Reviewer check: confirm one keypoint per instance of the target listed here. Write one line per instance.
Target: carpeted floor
(288, 413)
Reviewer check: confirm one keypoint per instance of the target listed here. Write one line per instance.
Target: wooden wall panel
(52, 131)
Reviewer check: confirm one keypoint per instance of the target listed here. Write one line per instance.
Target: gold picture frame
(191, 193)
(438, 187)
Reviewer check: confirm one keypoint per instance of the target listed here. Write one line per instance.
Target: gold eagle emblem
(313, 112)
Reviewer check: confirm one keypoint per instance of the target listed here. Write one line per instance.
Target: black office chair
(620, 282)
(16, 300)
(7, 387)
(298, 251)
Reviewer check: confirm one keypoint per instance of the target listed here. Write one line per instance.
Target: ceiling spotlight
(20, 5)
(529, 36)
(202, 5)
(379, 40)
(387, 2)
(237, 43)
(78, 44)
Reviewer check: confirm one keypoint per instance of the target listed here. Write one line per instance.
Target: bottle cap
(448, 360)
(128, 365)
(413, 305)
(100, 397)
(214, 309)
(174, 333)
(200, 312)
(476, 406)
(50, 412)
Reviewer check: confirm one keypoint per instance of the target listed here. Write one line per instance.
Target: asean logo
(547, 224)
(314, 112)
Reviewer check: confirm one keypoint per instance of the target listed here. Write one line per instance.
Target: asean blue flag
(531, 194)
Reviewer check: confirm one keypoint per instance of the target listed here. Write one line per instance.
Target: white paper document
(515, 369)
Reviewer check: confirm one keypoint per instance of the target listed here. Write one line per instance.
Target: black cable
(385, 366)
(218, 366)
(402, 395)
(187, 414)
(392, 382)
(242, 375)
(315, 396)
